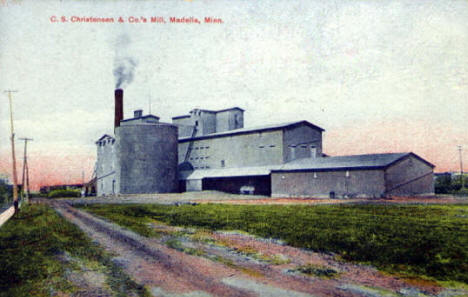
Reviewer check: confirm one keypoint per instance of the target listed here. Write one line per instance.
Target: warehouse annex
(211, 150)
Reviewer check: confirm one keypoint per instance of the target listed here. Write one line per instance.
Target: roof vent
(138, 113)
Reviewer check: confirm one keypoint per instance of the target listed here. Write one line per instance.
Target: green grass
(31, 244)
(414, 240)
(317, 270)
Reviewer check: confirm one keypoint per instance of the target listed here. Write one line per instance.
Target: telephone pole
(25, 169)
(461, 166)
(15, 177)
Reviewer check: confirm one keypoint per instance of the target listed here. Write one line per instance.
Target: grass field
(40, 252)
(413, 240)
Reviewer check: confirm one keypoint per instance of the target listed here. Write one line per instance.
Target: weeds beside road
(44, 255)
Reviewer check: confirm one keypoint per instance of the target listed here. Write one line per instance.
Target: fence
(6, 215)
(7, 211)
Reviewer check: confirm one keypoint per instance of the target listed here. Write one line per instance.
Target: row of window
(199, 158)
(347, 175)
(201, 147)
(107, 141)
(264, 146)
(201, 167)
(302, 146)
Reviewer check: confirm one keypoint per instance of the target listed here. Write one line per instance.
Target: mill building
(212, 150)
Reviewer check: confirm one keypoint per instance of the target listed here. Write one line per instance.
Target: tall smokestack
(118, 107)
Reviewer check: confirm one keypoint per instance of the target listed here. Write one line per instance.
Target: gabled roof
(252, 130)
(232, 108)
(369, 161)
(104, 136)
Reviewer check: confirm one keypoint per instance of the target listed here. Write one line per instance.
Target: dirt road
(200, 263)
(220, 197)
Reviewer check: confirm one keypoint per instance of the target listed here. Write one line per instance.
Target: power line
(461, 166)
(25, 168)
(13, 156)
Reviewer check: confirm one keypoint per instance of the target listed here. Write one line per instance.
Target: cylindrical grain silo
(147, 158)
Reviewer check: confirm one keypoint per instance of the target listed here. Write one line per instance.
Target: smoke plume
(124, 69)
(124, 64)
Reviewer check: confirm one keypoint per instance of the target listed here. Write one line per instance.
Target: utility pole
(15, 177)
(461, 166)
(25, 169)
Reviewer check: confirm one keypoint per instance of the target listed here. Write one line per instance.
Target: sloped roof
(227, 172)
(104, 136)
(251, 130)
(207, 110)
(149, 116)
(368, 161)
(181, 117)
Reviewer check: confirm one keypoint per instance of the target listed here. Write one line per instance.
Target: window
(223, 163)
(313, 151)
(196, 123)
(272, 145)
(292, 152)
(207, 147)
(261, 146)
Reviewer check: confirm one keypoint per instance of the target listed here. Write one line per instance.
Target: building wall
(193, 185)
(147, 155)
(409, 176)
(141, 120)
(300, 141)
(185, 126)
(105, 166)
(359, 183)
(259, 185)
(205, 121)
(229, 120)
(254, 149)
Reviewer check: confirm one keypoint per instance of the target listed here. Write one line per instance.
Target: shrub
(443, 184)
(64, 193)
(462, 192)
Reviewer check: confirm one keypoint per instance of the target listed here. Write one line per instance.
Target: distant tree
(6, 192)
(443, 184)
(446, 184)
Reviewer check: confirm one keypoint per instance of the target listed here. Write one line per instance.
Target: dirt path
(234, 264)
(220, 197)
